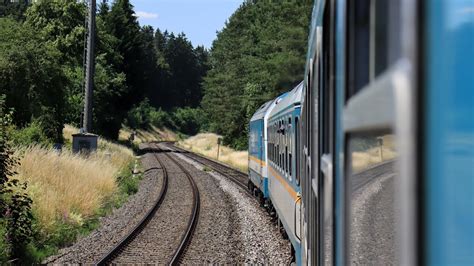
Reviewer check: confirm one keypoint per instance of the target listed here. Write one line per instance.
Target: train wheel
(261, 199)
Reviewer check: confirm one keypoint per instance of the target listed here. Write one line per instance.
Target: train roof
(261, 111)
(292, 98)
(264, 108)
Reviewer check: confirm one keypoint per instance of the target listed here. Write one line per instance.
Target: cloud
(142, 14)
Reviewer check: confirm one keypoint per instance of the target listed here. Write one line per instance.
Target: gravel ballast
(161, 237)
(233, 228)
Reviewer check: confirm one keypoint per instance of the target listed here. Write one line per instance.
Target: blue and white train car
(283, 173)
(258, 153)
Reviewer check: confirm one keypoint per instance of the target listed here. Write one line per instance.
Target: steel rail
(118, 248)
(193, 219)
(224, 170)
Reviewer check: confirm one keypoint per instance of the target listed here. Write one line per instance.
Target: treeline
(42, 67)
(259, 54)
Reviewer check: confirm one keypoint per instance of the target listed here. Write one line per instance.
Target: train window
(269, 148)
(297, 149)
(275, 153)
(373, 209)
(370, 48)
(286, 159)
(358, 45)
(289, 166)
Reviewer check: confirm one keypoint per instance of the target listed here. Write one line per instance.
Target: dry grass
(153, 134)
(206, 144)
(363, 159)
(67, 187)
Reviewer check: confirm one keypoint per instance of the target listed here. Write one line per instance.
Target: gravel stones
(372, 231)
(237, 219)
(156, 243)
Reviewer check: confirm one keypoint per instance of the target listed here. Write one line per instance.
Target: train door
(326, 149)
(377, 124)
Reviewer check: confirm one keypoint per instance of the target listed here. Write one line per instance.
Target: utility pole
(90, 68)
(85, 142)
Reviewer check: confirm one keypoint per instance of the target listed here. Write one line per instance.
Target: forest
(143, 75)
(42, 67)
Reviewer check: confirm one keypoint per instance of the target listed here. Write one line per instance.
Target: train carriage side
(283, 173)
(257, 158)
(258, 152)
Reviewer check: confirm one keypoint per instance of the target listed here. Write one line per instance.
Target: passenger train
(370, 159)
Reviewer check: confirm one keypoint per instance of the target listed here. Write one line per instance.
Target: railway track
(186, 237)
(193, 220)
(236, 176)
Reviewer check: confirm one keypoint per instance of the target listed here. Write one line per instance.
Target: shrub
(32, 134)
(15, 204)
(160, 118)
(4, 245)
(188, 120)
(139, 116)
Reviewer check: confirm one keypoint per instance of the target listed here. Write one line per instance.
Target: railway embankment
(70, 192)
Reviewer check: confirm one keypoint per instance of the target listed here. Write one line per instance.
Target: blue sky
(198, 19)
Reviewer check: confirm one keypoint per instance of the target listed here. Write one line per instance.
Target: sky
(198, 19)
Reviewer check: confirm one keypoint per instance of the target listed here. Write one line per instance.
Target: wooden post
(219, 140)
(380, 140)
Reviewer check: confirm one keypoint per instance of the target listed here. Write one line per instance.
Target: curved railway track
(186, 237)
(236, 176)
(193, 219)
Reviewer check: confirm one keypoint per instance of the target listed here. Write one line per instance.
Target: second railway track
(234, 175)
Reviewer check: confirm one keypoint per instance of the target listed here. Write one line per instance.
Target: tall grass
(66, 187)
(374, 154)
(70, 188)
(206, 144)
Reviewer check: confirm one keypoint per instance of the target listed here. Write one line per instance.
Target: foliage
(5, 247)
(12, 9)
(181, 70)
(258, 55)
(61, 23)
(122, 23)
(139, 116)
(128, 183)
(31, 78)
(188, 120)
(31, 134)
(15, 204)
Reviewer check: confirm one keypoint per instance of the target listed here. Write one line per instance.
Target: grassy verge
(368, 151)
(71, 192)
(206, 144)
(150, 135)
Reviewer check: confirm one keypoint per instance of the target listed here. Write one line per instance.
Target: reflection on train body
(372, 202)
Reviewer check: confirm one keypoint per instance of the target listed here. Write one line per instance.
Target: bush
(16, 218)
(160, 118)
(139, 116)
(30, 135)
(188, 120)
(4, 246)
